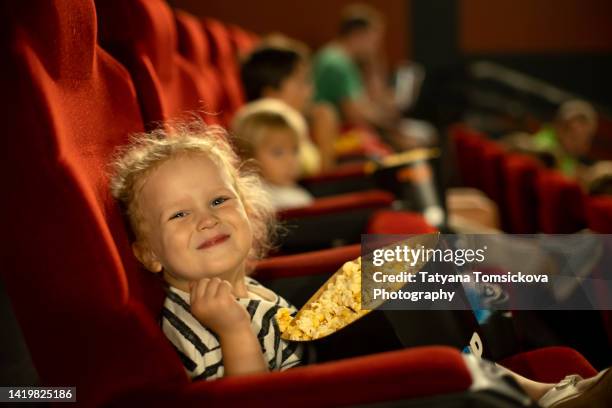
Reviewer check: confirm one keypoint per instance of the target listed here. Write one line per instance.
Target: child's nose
(207, 220)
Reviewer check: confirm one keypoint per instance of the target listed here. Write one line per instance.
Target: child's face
(277, 155)
(576, 136)
(195, 225)
(296, 89)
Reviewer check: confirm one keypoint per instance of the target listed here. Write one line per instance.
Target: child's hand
(214, 305)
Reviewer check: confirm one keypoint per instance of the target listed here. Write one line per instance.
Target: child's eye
(218, 201)
(178, 214)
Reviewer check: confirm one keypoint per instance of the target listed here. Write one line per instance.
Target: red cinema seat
(224, 57)
(74, 286)
(599, 214)
(142, 35)
(330, 221)
(398, 222)
(493, 156)
(561, 203)
(521, 197)
(549, 364)
(243, 41)
(467, 143)
(194, 47)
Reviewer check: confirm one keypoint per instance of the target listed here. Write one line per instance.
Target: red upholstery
(521, 197)
(341, 203)
(243, 41)
(398, 222)
(75, 288)
(492, 177)
(309, 263)
(561, 203)
(599, 214)
(225, 59)
(194, 47)
(410, 373)
(550, 364)
(142, 35)
(468, 143)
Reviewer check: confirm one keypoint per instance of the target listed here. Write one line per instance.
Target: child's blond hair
(147, 151)
(255, 119)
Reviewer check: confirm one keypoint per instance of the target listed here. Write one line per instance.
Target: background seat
(141, 34)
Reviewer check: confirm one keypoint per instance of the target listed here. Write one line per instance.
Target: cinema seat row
(530, 197)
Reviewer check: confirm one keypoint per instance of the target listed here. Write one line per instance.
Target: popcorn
(338, 302)
(335, 305)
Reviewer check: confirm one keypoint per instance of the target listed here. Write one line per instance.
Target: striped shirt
(199, 347)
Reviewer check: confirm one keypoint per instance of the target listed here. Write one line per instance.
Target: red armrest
(403, 374)
(309, 263)
(550, 364)
(341, 203)
(398, 222)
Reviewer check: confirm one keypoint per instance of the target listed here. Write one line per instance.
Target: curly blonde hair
(146, 151)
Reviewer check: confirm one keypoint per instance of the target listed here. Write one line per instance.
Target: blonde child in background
(200, 221)
(269, 134)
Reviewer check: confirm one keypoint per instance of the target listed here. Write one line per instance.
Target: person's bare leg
(534, 389)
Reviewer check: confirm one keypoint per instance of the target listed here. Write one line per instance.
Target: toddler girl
(270, 133)
(200, 222)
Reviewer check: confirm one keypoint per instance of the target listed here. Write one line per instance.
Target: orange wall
(313, 21)
(535, 26)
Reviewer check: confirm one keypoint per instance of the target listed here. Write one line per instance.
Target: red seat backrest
(194, 47)
(521, 197)
(243, 41)
(74, 286)
(599, 214)
(492, 176)
(468, 143)
(142, 35)
(224, 57)
(560, 203)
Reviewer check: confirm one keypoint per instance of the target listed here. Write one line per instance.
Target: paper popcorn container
(337, 303)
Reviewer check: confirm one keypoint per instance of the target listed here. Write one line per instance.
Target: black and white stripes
(199, 348)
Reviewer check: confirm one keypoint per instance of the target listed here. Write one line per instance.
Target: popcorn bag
(338, 301)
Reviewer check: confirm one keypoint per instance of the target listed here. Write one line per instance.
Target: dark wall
(565, 42)
(313, 22)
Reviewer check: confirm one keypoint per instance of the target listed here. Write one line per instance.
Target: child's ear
(146, 256)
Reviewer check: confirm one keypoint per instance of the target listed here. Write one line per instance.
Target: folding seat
(560, 203)
(521, 197)
(141, 34)
(224, 57)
